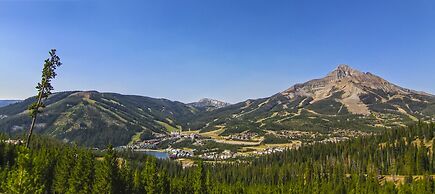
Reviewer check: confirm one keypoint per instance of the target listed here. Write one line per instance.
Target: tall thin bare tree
(44, 89)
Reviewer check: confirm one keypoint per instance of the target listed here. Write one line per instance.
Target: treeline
(362, 165)
(52, 167)
(357, 166)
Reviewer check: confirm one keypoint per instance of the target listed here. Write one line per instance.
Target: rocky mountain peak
(349, 86)
(209, 103)
(206, 100)
(344, 71)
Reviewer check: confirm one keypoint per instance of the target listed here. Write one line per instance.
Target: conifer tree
(20, 179)
(44, 89)
(150, 176)
(81, 177)
(43, 165)
(199, 180)
(422, 158)
(138, 187)
(126, 178)
(63, 170)
(107, 174)
(163, 185)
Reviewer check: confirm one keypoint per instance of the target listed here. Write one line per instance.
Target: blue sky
(227, 49)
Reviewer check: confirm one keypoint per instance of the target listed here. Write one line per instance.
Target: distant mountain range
(8, 102)
(209, 104)
(345, 99)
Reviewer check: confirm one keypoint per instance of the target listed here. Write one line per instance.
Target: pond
(157, 154)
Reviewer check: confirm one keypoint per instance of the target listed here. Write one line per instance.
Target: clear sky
(230, 50)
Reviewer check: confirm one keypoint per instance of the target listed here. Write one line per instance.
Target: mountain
(98, 119)
(7, 102)
(344, 99)
(209, 104)
(356, 90)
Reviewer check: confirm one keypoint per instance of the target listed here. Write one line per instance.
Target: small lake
(157, 154)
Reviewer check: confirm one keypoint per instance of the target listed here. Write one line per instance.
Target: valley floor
(212, 145)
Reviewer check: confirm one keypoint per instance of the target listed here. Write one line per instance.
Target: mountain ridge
(98, 119)
(8, 102)
(344, 99)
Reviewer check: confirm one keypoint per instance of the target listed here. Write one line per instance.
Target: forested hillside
(97, 119)
(398, 161)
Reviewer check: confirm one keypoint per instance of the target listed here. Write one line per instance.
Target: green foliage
(163, 182)
(44, 88)
(273, 139)
(107, 177)
(23, 179)
(63, 170)
(355, 166)
(199, 185)
(149, 175)
(80, 180)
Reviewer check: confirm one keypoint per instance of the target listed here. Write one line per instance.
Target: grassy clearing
(136, 137)
(214, 134)
(235, 142)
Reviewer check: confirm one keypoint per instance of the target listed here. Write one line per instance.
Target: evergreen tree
(200, 177)
(150, 176)
(163, 185)
(81, 177)
(63, 170)
(107, 174)
(422, 159)
(44, 89)
(20, 179)
(127, 178)
(138, 187)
